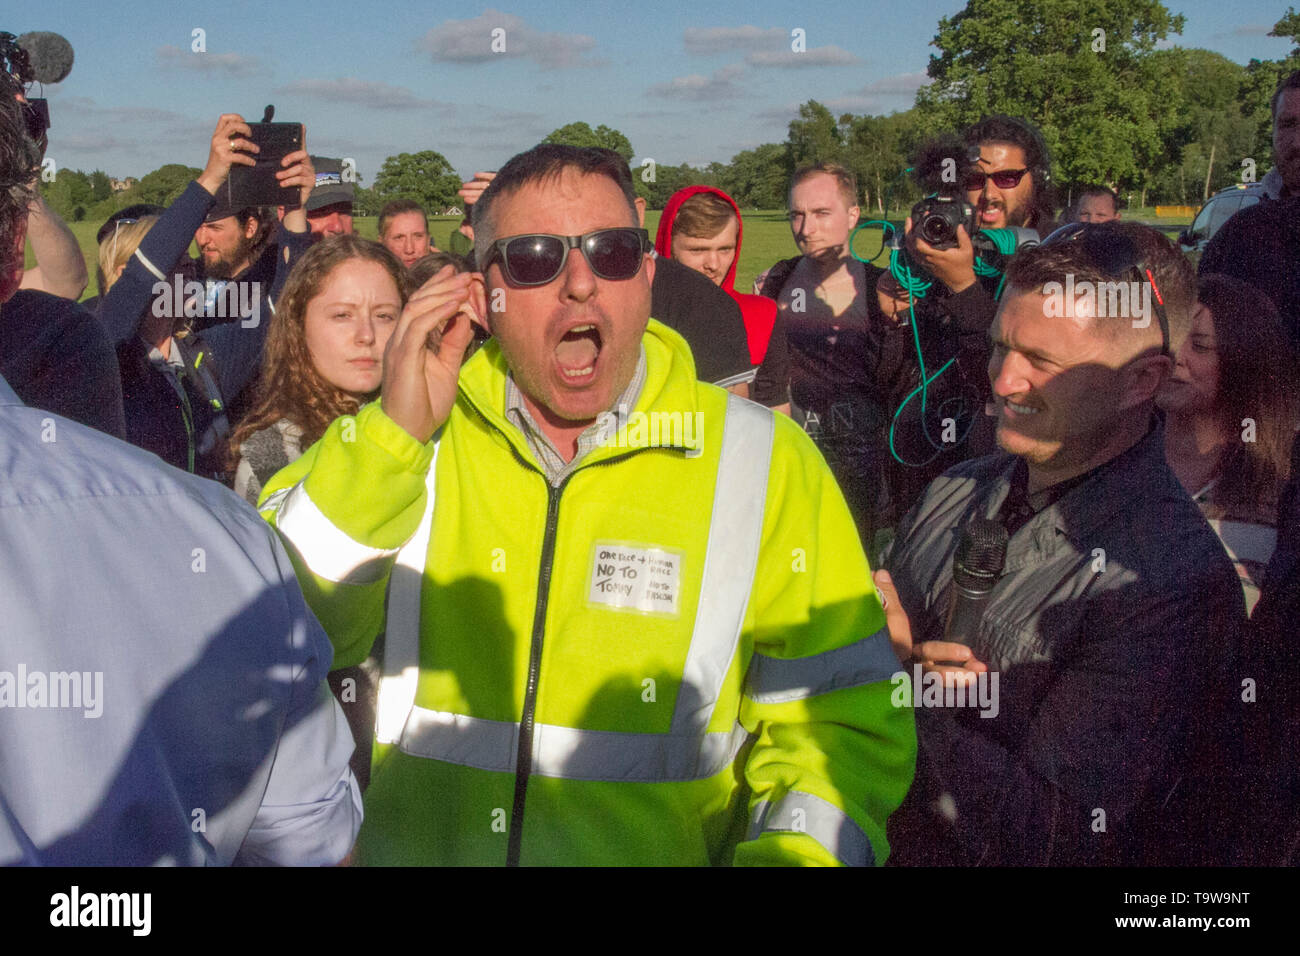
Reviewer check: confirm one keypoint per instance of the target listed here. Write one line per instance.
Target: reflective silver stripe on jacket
(401, 664)
(774, 680)
(735, 533)
(328, 551)
(799, 812)
(687, 751)
(570, 753)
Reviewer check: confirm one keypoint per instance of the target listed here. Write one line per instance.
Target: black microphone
(49, 56)
(976, 567)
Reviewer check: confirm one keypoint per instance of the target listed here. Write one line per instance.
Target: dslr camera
(939, 168)
(936, 218)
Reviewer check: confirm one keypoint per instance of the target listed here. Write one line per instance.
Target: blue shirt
(162, 693)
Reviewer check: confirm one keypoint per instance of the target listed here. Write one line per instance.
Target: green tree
(758, 178)
(877, 151)
(580, 134)
(1084, 73)
(101, 187)
(163, 185)
(1261, 80)
(815, 137)
(425, 176)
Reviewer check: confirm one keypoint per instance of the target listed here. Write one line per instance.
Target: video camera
(33, 58)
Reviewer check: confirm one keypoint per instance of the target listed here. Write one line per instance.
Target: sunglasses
(1115, 253)
(539, 258)
(1003, 178)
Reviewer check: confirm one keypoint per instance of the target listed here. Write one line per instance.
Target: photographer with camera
(177, 386)
(988, 187)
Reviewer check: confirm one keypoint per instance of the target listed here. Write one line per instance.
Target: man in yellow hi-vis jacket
(626, 617)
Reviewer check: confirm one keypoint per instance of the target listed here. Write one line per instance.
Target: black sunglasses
(1115, 253)
(537, 258)
(1003, 178)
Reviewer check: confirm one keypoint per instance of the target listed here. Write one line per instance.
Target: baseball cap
(137, 211)
(330, 186)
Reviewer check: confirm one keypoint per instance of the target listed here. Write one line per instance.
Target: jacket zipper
(524, 754)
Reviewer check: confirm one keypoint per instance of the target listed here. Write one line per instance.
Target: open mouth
(577, 352)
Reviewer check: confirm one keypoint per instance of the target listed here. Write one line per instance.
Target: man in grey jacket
(1113, 628)
(162, 692)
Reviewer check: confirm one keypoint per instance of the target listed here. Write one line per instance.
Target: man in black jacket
(1110, 640)
(1261, 245)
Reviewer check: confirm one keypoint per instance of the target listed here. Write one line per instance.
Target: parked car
(1217, 210)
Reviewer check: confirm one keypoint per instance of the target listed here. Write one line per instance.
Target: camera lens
(935, 229)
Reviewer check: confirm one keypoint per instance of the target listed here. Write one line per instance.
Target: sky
(685, 82)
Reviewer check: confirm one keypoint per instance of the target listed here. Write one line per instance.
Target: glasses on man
(1003, 178)
(1115, 253)
(538, 258)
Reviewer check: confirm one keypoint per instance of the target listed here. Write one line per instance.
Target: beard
(226, 266)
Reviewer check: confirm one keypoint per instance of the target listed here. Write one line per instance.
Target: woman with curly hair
(324, 353)
(1231, 411)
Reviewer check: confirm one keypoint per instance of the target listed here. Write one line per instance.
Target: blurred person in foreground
(173, 711)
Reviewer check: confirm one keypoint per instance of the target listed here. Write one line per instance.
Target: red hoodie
(758, 311)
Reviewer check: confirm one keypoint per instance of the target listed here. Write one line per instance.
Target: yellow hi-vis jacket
(675, 657)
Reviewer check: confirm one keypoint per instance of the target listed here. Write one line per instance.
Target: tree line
(1115, 104)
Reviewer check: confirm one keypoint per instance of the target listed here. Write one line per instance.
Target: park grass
(767, 239)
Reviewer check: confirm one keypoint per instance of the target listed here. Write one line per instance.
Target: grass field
(767, 239)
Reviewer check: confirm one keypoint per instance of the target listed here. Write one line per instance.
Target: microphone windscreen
(981, 553)
(50, 56)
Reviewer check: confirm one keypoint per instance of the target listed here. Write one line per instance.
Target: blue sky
(685, 82)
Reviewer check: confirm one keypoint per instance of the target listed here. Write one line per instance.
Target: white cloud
(472, 41)
(372, 93)
(232, 64)
(818, 56)
(720, 85)
(706, 40)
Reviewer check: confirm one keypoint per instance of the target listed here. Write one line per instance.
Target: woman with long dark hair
(1231, 411)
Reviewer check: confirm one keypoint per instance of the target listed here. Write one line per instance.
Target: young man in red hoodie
(701, 228)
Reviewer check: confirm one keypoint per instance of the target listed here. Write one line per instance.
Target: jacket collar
(670, 387)
(1136, 475)
(7, 395)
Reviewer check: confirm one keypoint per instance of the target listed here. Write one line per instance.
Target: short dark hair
(20, 160)
(396, 208)
(845, 179)
(1031, 269)
(1291, 82)
(547, 161)
(1014, 131)
(1087, 191)
(426, 267)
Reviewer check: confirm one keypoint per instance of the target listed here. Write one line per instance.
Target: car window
(1201, 227)
(1223, 208)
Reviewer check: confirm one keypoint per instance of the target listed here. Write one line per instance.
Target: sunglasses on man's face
(538, 258)
(1003, 178)
(1115, 253)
